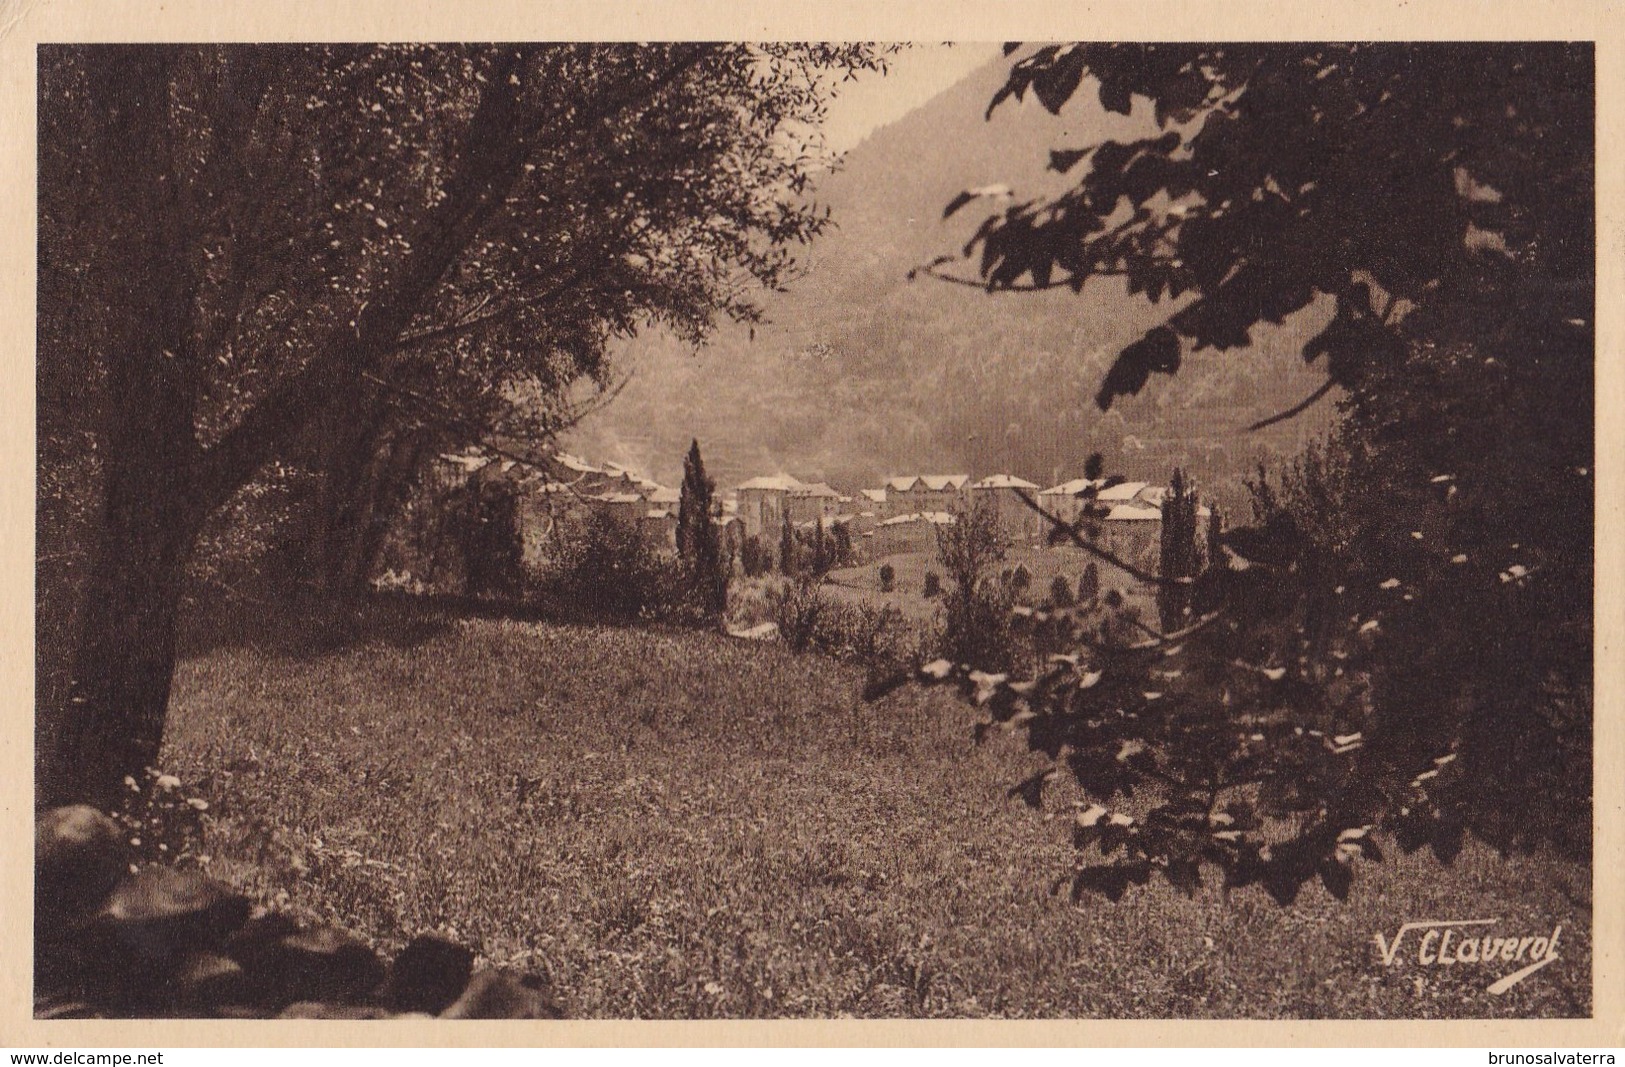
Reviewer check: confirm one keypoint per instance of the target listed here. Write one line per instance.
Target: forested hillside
(926, 375)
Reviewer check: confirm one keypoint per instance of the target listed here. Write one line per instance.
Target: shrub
(976, 627)
(755, 558)
(1021, 579)
(861, 633)
(1060, 593)
(797, 607)
(699, 543)
(787, 547)
(977, 617)
(1089, 584)
(843, 543)
(888, 578)
(485, 521)
(609, 568)
(970, 544)
(933, 585)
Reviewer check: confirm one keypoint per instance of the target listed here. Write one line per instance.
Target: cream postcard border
(26, 23)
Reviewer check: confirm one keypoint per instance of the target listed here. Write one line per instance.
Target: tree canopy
(1439, 193)
(257, 254)
(1401, 641)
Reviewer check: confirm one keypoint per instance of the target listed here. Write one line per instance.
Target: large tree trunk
(125, 657)
(345, 504)
(369, 462)
(161, 483)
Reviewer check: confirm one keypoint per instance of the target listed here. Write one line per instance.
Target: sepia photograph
(814, 529)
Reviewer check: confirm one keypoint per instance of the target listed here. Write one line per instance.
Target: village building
(940, 492)
(762, 503)
(659, 526)
(628, 506)
(1133, 533)
(915, 493)
(1002, 493)
(914, 532)
(815, 501)
(1067, 500)
(1122, 493)
(1133, 530)
(898, 496)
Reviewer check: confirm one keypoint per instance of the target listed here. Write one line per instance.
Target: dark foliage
(799, 608)
(755, 558)
(1089, 583)
(699, 542)
(1402, 641)
(484, 517)
(334, 256)
(1180, 559)
(609, 569)
(976, 611)
(841, 537)
(789, 563)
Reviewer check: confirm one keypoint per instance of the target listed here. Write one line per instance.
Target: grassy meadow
(676, 824)
(861, 584)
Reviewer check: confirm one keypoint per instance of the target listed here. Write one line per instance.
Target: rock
(312, 1009)
(79, 856)
(498, 994)
(263, 929)
(58, 1007)
(319, 964)
(205, 980)
(242, 1011)
(160, 912)
(428, 975)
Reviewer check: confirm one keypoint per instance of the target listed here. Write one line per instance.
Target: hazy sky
(918, 74)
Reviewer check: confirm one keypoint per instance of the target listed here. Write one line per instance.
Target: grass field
(862, 584)
(721, 828)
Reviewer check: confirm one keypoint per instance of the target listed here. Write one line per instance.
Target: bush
(888, 578)
(798, 607)
(1089, 584)
(609, 568)
(485, 520)
(860, 633)
(933, 585)
(977, 617)
(977, 628)
(842, 538)
(1021, 579)
(1060, 593)
(755, 558)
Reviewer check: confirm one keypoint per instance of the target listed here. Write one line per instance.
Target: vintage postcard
(1087, 524)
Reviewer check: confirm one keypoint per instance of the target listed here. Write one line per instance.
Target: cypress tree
(1215, 550)
(698, 545)
(1179, 558)
(787, 546)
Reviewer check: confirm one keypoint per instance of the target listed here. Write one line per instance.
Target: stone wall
(113, 939)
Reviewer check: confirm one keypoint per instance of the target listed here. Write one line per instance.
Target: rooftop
(1003, 481)
(1073, 487)
(781, 483)
(1122, 491)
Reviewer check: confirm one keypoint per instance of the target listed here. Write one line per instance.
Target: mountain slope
(861, 372)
